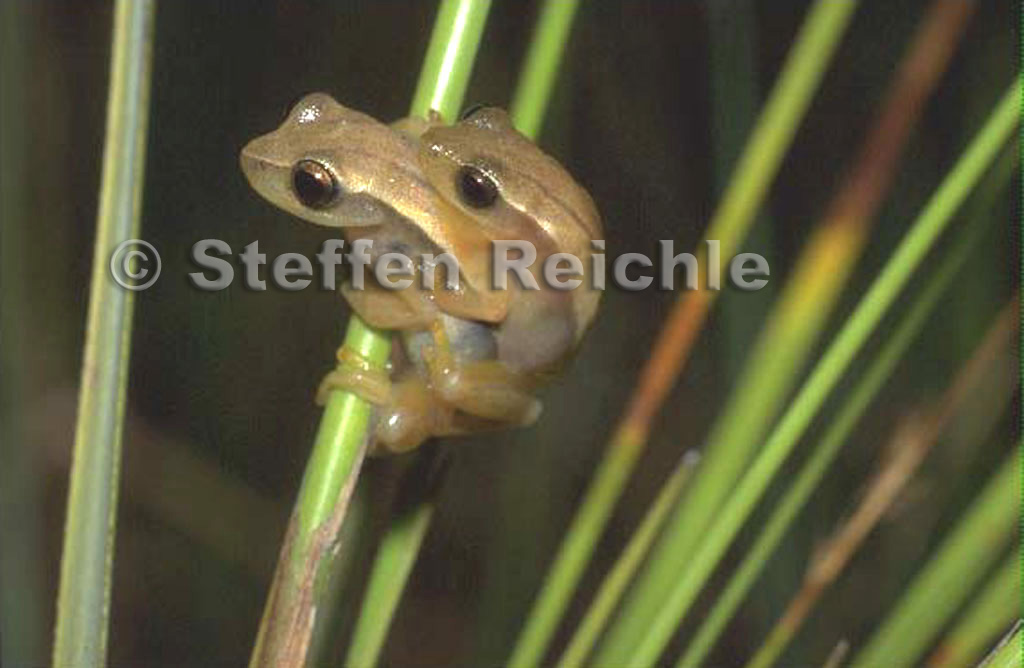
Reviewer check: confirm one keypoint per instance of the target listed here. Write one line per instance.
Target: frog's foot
(484, 389)
(487, 389)
(412, 415)
(357, 375)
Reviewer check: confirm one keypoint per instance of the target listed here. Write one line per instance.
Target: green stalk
(449, 61)
(301, 579)
(622, 572)
(873, 306)
(83, 599)
(401, 542)
(735, 93)
(798, 319)
(818, 464)
(304, 565)
(951, 574)
(533, 92)
(754, 172)
(909, 445)
(391, 569)
(993, 610)
(396, 556)
(1009, 653)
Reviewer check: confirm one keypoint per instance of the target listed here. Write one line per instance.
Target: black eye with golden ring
(314, 184)
(476, 188)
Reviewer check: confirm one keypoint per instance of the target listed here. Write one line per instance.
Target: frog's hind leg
(488, 390)
(480, 388)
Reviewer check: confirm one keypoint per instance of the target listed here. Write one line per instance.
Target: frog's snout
(260, 169)
(250, 159)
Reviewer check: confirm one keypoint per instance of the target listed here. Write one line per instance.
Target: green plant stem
(536, 81)
(573, 556)
(993, 610)
(914, 436)
(391, 569)
(83, 600)
(404, 536)
(1009, 653)
(303, 570)
(872, 307)
(815, 468)
(734, 96)
(755, 170)
(619, 577)
(797, 320)
(951, 573)
(299, 584)
(449, 61)
(396, 556)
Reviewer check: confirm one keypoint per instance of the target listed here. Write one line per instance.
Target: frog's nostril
(251, 165)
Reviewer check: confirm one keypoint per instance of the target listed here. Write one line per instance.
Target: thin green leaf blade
(829, 370)
(83, 599)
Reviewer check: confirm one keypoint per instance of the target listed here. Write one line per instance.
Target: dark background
(220, 405)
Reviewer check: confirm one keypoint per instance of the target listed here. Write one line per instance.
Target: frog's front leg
(390, 310)
(406, 412)
(481, 388)
(357, 375)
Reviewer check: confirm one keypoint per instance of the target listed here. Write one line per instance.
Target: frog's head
(337, 167)
(494, 173)
(334, 166)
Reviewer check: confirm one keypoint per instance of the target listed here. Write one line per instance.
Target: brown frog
(468, 359)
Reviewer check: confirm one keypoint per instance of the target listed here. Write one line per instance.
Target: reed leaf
(756, 169)
(404, 536)
(798, 320)
(305, 562)
(83, 599)
(537, 79)
(993, 610)
(396, 555)
(911, 441)
(955, 567)
(619, 577)
(817, 465)
(830, 368)
(1009, 653)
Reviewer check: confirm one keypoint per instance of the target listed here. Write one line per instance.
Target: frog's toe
(532, 413)
(373, 385)
(412, 416)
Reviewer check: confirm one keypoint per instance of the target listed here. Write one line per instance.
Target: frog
(467, 359)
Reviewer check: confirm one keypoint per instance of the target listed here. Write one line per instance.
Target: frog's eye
(314, 184)
(476, 188)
